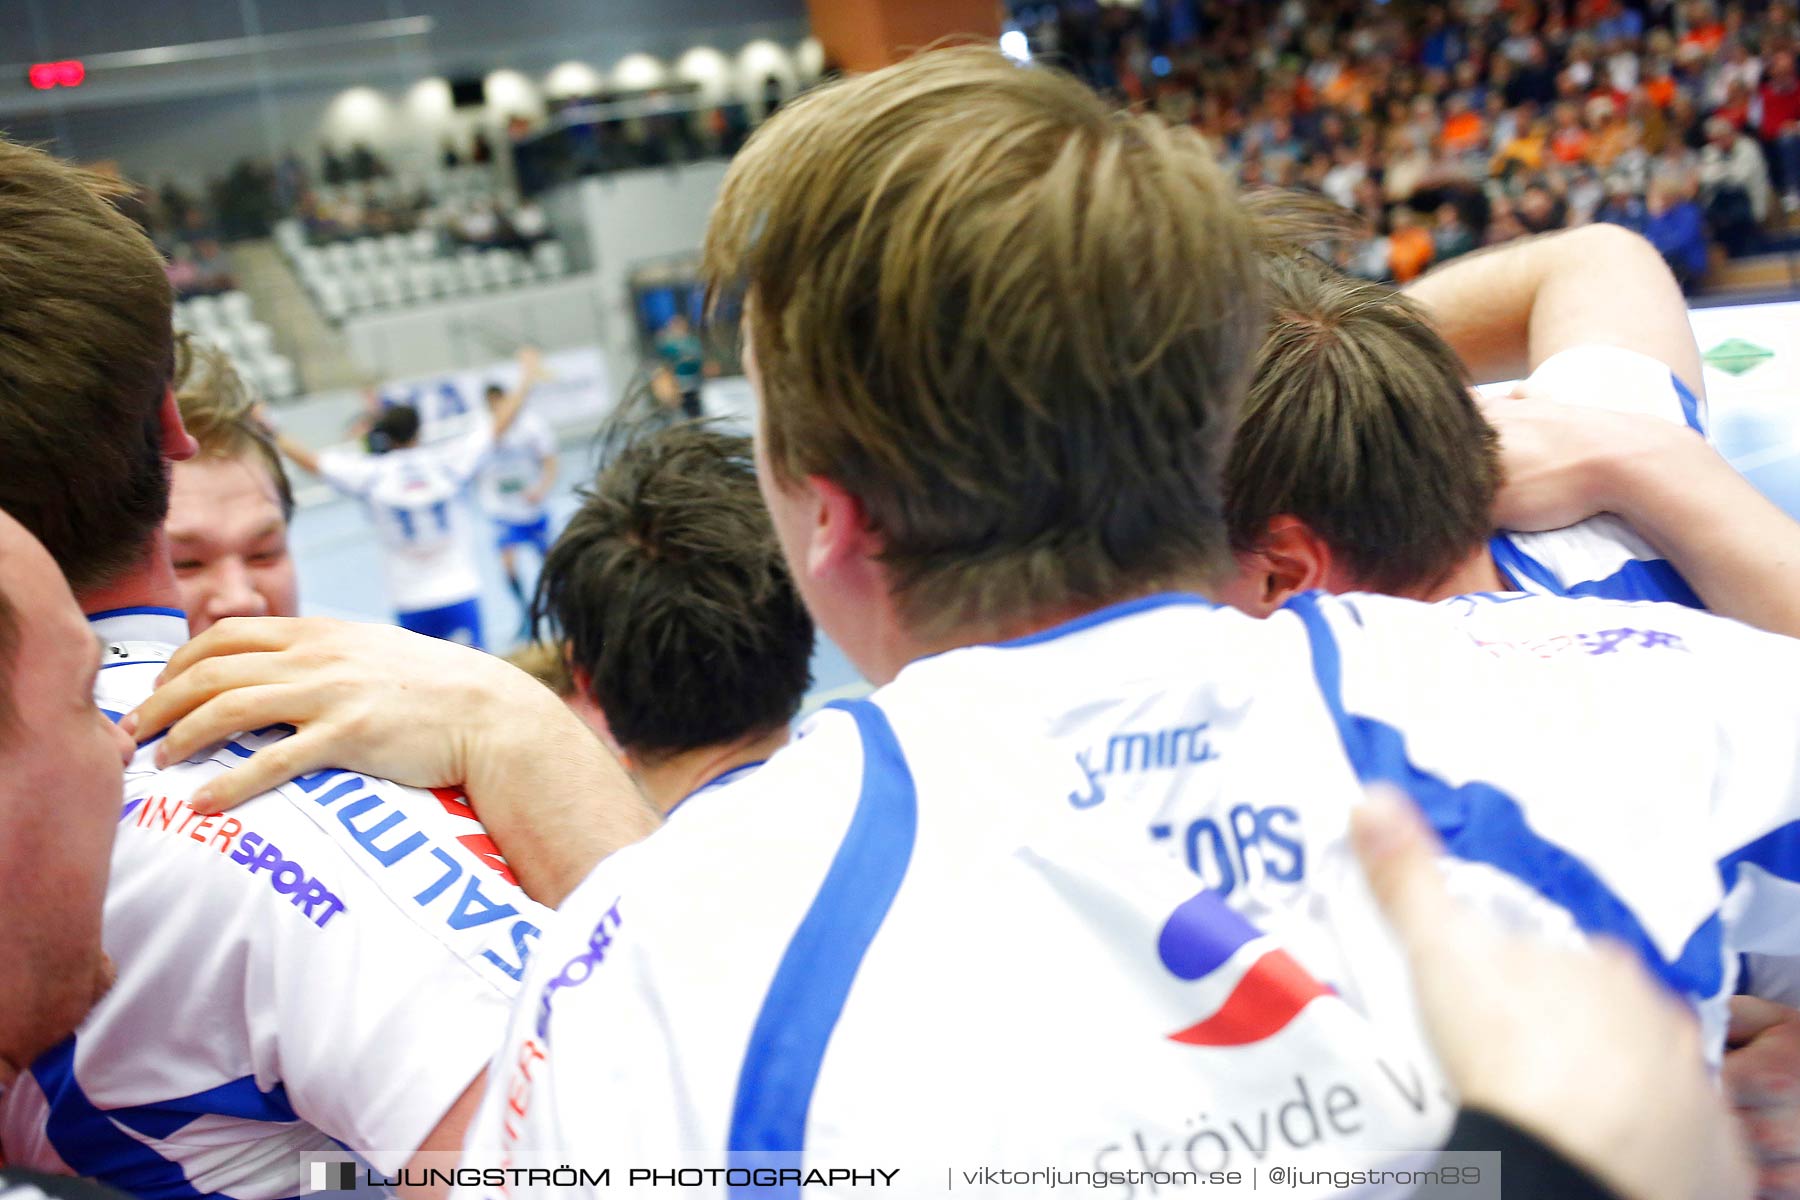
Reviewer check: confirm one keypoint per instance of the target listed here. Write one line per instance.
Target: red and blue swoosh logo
(1200, 937)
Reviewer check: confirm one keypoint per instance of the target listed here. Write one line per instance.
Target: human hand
(401, 706)
(1565, 1043)
(1762, 1082)
(1563, 463)
(370, 698)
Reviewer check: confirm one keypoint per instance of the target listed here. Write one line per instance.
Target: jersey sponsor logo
(1152, 750)
(1246, 844)
(1592, 644)
(455, 801)
(1201, 936)
(390, 837)
(579, 969)
(315, 900)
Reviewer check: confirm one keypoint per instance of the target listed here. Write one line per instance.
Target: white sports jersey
(415, 500)
(1086, 900)
(1603, 556)
(514, 468)
(329, 963)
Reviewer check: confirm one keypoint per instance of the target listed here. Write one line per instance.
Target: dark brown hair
(85, 361)
(669, 587)
(1360, 424)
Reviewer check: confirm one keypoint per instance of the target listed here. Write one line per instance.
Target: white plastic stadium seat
(256, 338)
(550, 259)
(499, 267)
(332, 301)
(423, 278)
(234, 306)
(358, 292)
(474, 274)
(204, 312)
(277, 375)
(389, 291)
(423, 243)
(450, 277)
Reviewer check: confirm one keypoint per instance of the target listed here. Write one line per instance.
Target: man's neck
(148, 584)
(1476, 573)
(904, 649)
(669, 781)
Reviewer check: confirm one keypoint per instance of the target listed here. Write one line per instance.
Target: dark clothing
(1532, 1169)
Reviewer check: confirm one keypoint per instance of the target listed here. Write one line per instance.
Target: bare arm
(303, 455)
(1739, 552)
(419, 711)
(1504, 311)
(445, 1139)
(531, 373)
(1565, 463)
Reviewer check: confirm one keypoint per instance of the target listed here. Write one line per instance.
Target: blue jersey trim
(1642, 579)
(1480, 823)
(88, 1140)
(1637, 579)
(1101, 616)
(142, 610)
(142, 662)
(1777, 852)
(239, 1098)
(1690, 406)
(1518, 566)
(806, 998)
(729, 777)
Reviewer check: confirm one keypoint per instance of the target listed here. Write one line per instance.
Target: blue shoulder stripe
(788, 1041)
(1520, 567)
(1637, 579)
(1690, 406)
(1478, 822)
(1642, 579)
(87, 1139)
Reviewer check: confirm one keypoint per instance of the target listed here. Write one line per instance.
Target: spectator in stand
(1569, 140)
(1734, 185)
(1780, 125)
(1410, 246)
(1677, 229)
(1463, 131)
(1451, 236)
(529, 223)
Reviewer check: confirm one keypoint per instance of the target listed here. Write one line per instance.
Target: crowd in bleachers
(1450, 126)
(386, 241)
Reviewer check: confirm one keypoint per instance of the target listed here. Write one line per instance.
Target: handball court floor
(1752, 373)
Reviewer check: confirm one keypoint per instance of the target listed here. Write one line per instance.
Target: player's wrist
(1630, 469)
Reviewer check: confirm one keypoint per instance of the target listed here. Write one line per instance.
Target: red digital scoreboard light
(46, 75)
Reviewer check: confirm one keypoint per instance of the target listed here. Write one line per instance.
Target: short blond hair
(1014, 324)
(219, 410)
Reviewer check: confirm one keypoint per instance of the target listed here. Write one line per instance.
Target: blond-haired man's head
(999, 333)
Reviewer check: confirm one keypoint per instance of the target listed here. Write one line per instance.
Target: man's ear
(1291, 559)
(841, 538)
(583, 704)
(178, 445)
